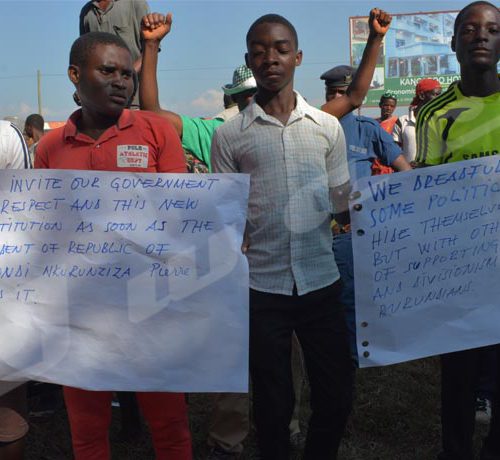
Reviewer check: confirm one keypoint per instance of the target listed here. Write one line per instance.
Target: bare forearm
(357, 90)
(148, 87)
(360, 85)
(138, 65)
(400, 164)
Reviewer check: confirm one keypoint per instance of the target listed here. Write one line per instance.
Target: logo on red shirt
(132, 156)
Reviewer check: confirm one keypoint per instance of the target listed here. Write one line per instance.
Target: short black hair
(35, 120)
(274, 19)
(388, 95)
(82, 46)
(464, 10)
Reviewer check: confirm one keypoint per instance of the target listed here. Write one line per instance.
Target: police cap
(341, 75)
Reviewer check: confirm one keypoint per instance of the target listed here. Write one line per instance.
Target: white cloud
(25, 110)
(209, 103)
(22, 109)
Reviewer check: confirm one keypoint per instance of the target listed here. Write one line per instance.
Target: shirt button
(98, 146)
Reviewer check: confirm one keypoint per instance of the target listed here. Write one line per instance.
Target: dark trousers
(488, 373)
(318, 321)
(459, 380)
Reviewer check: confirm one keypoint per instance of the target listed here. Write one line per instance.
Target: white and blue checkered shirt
(292, 167)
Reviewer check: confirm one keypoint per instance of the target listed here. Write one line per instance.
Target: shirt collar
(302, 109)
(126, 119)
(96, 5)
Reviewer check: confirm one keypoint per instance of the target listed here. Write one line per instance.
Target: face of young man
(387, 107)
(477, 40)
(105, 82)
(272, 56)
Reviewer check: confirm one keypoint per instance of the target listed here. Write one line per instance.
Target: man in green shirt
(464, 124)
(197, 132)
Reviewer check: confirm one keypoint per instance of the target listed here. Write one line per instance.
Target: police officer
(365, 142)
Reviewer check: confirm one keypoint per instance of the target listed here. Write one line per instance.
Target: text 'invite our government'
(115, 281)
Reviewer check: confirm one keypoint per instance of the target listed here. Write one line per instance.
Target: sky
(206, 44)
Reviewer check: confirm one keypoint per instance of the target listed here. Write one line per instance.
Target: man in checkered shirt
(296, 157)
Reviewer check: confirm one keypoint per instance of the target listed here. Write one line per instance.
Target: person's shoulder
(86, 8)
(5, 127)
(143, 121)
(234, 125)
(142, 3)
(315, 112)
(368, 121)
(208, 122)
(10, 130)
(51, 137)
(403, 119)
(436, 105)
(145, 117)
(321, 117)
(369, 125)
(452, 93)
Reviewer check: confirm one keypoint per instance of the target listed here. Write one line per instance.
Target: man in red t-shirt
(104, 135)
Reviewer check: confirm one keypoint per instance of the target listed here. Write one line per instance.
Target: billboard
(416, 46)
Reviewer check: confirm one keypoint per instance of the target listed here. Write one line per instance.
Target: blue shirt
(365, 141)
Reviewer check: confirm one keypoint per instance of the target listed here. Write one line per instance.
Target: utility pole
(39, 90)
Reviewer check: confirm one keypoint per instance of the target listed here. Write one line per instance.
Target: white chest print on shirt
(358, 149)
(132, 156)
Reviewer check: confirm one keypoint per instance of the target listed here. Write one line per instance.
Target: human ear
(453, 43)
(74, 74)
(298, 58)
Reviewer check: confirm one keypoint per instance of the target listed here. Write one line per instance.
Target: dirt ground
(395, 417)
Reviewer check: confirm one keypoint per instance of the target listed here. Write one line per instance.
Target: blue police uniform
(365, 141)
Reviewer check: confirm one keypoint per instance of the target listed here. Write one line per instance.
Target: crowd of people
(302, 161)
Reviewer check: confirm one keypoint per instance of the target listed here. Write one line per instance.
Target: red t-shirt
(139, 142)
(377, 167)
(388, 123)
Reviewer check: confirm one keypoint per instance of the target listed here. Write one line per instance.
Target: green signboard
(416, 46)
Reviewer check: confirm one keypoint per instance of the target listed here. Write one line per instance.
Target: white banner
(116, 281)
(425, 248)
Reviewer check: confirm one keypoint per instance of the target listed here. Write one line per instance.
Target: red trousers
(89, 414)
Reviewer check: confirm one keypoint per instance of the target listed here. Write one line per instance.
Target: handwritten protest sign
(113, 281)
(425, 248)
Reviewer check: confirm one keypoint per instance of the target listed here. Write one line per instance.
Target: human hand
(246, 242)
(154, 26)
(379, 22)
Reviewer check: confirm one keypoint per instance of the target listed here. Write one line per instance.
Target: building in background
(416, 46)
